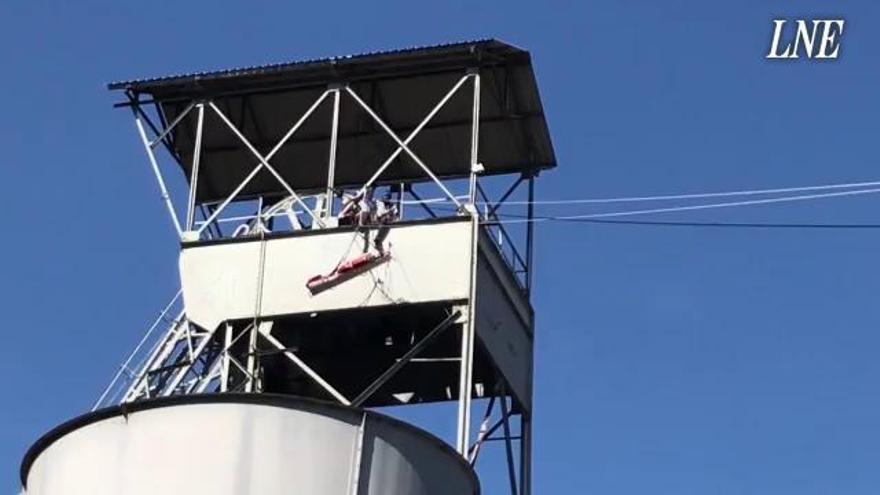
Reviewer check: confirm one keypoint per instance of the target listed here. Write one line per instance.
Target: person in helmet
(387, 212)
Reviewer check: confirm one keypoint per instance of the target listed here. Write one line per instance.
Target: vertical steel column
(251, 383)
(401, 192)
(194, 177)
(466, 372)
(530, 234)
(475, 137)
(331, 166)
(257, 326)
(224, 370)
(166, 198)
(403, 145)
(525, 420)
(525, 452)
(508, 447)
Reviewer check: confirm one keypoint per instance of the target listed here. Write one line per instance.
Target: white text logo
(821, 40)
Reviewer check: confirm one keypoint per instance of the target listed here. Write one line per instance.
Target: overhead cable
(747, 192)
(672, 209)
(667, 197)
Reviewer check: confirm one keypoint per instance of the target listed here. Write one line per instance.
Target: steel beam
(508, 448)
(305, 368)
(475, 140)
(404, 360)
(331, 165)
(415, 132)
(265, 163)
(403, 145)
(194, 176)
(166, 198)
(170, 127)
(263, 160)
(466, 370)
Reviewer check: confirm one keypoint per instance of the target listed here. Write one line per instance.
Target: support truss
(186, 359)
(189, 229)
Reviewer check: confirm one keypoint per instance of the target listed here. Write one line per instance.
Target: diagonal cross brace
(406, 358)
(264, 163)
(415, 132)
(483, 435)
(263, 160)
(402, 145)
(170, 388)
(264, 331)
(170, 127)
(511, 467)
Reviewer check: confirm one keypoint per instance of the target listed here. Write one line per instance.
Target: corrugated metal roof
(407, 83)
(439, 50)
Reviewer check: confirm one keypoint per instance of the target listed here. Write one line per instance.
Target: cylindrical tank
(221, 444)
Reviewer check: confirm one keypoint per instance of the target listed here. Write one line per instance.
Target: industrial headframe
(345, 238)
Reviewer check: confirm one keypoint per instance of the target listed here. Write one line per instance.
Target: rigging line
(672, 209)
(658, 223)
(634, 199)
(667, 223)
(631, 199)
(662, 223)
(747, 192)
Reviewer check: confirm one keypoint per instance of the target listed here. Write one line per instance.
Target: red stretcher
(345, 271)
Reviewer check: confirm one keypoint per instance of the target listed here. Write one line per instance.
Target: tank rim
(274, 400)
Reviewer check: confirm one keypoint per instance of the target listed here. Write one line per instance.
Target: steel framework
(186, 359)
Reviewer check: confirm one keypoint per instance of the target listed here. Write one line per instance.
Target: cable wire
(667, 197)
(745, 225)
(672, 209)
(746, 192)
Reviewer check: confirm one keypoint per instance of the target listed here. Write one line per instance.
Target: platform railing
(286, 218)
(504, 242)
(169, 317)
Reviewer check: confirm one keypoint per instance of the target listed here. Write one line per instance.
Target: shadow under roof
(402, 86)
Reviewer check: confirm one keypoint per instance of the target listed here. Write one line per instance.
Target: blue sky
(669, 360)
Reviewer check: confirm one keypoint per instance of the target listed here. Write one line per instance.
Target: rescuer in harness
(386, 212)
(356, 208)
(360, 209)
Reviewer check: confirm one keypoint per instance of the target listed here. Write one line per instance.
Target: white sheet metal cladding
(504, 322)
(233, 444)
(428, 263)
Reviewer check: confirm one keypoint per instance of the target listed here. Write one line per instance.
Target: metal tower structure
(340, 236)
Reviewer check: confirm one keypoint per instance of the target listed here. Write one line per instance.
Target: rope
(345, 254)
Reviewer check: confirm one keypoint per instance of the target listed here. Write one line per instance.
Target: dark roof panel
(465, 52)
(401, 85)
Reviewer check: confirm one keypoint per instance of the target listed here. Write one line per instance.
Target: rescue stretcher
(345, 271)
